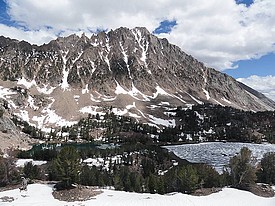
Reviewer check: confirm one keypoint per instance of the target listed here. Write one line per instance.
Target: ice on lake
(218, 154)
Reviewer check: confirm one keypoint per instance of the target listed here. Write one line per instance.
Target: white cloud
(265, 85)
(35, 37)
(214, 31)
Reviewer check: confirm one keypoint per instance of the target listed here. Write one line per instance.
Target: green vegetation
(243, 173)
(205, 122)
(214, 122)
(138, 167)
(1, 112)
(31, 171)
(267, 172)
(8, 172)
(132, 159)
(27, 128)
(66, 166)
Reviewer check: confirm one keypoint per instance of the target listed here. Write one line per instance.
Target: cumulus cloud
(265, 85)
(33, 36)
(214, 31)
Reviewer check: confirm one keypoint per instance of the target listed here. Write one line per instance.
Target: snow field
(40, 195)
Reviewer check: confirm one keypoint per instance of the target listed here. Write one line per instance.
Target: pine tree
(209, 177)
(152, 184)
(1, 112)
(267, 173)
(67, 166)
(31, 171)
(137, 183)
(160, 186)
(243, 172)
(8, 171)
(87, 176)
(3, 173)
(187, 179)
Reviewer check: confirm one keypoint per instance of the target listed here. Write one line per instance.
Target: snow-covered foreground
(218, 154)
(40, 194)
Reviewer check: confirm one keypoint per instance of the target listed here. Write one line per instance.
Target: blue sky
(246, 2)
(263, 66)
(4, 17)
(234, 36)
(165, 26)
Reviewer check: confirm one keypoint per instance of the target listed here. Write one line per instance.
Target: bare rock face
(10, 135)
(130, 70)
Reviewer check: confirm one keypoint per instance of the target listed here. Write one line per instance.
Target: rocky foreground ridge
(127, 71)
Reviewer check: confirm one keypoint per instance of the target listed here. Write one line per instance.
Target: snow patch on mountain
(117, 111)
(85, 90)
(46, 89)
(5, 92)
(92, 110)
(119, 89)
(134, 115)
(23, 162)
(195, 99)
(219, 103)
(227, 101)
(24, 115)
(143, 44)
(136, 93)
(93, 98)
(65, 85)
(206, 93)
(125, 58)
(48, 116)
(31, 103)
(163, 122)
(26, 83)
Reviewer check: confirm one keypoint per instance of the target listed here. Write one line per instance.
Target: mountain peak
(130, 70)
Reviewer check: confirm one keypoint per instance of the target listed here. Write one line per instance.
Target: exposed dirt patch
(263, 190)
(6, 199)
(206, 191)
(80, 193)
(10, 187)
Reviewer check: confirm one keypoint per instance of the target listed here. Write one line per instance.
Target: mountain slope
(128, 70)
(10, 135)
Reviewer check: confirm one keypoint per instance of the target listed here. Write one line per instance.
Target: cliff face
(130, 70)
(10, 135)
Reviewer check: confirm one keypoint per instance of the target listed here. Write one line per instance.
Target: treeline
(136, 165)
(109, 127)
(204, 122)
(9, 174)
(139, 165)
(150, 169)
(154, 171)
(25, 127)
(183, 178)
(209, 122)
(140, 168)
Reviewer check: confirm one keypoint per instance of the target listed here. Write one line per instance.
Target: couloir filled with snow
(218, 154)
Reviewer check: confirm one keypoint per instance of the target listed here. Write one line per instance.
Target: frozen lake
(218, 154)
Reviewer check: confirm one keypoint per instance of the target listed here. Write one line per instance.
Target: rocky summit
(126, 71)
